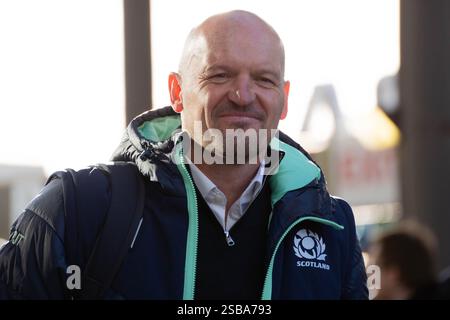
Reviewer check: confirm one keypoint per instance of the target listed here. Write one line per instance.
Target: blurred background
(370, 94)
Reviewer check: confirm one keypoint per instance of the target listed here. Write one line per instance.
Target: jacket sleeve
(32, 262)
(355, 283)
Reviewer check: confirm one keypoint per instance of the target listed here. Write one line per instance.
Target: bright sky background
(62, 73)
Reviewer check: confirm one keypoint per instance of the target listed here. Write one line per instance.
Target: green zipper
(267, 289)
(190, 265)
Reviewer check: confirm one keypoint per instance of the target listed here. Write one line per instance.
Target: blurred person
(444, 283)
(157, 224)
(406, 255)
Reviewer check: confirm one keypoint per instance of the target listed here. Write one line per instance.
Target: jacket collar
(149, 142)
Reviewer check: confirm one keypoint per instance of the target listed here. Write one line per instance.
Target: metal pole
(425, 99)
(137, 57)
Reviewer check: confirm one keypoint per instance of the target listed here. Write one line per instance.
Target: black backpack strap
(115, 238)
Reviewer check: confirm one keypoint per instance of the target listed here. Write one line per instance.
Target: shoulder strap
(114, 240)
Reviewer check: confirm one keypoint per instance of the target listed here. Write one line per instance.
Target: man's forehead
(229, 21)
(264, 65)
(224, 29)
(230, 35)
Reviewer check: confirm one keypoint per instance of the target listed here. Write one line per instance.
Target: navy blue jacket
(312, 248)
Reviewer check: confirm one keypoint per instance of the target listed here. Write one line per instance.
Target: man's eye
(267, 81)
(219, 76)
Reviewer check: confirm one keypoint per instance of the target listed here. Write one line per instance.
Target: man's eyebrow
(214, 68)
(258, 71)
(273, 73)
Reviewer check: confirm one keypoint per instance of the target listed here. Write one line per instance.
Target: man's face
(234, 81)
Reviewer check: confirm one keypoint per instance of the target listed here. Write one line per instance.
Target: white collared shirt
(217, 200)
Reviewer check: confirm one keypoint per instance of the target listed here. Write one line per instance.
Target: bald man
(205, 199)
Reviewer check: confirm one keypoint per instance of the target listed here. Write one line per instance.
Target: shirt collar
(206, 187)
(202, 182)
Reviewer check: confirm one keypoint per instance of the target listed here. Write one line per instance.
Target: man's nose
(242, 92)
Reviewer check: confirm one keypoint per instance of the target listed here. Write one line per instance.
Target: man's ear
(175, 92)
(284, 112)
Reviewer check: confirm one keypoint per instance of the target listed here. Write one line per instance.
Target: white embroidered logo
(308, 245)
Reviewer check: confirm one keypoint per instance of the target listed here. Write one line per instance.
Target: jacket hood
(149, 142)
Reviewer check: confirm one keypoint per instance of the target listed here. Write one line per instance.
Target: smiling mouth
(240, 116)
